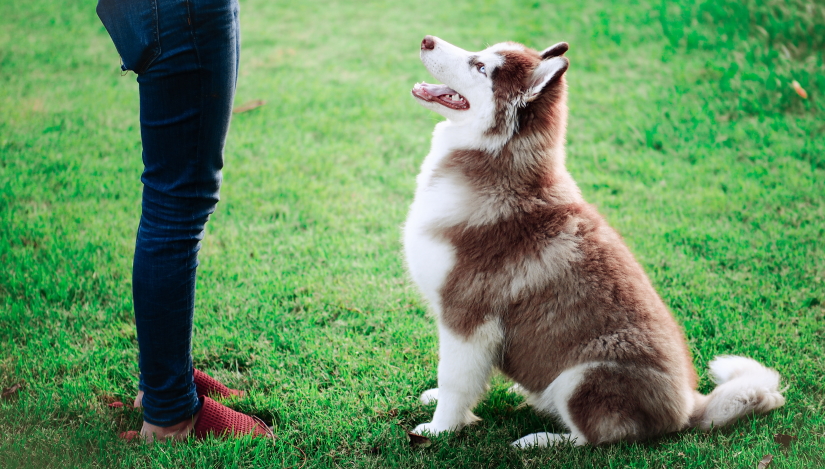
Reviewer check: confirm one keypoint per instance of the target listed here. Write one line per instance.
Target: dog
(524, 276)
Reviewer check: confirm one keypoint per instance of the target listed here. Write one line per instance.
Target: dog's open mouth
(441, 94)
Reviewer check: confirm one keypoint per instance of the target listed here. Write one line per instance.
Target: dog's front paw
(430, 429)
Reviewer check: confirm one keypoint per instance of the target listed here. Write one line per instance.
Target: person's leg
(185, 54)
(186, 97)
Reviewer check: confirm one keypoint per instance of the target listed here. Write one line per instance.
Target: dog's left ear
(555, 50)
(548, 71)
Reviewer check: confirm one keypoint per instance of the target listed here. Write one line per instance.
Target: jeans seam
(156, 48)
(198, 194)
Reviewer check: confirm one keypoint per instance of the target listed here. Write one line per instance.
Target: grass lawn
(684, 130)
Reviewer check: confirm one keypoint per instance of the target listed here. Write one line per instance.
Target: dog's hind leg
(553, 400)
(609, 402)
(464, 371)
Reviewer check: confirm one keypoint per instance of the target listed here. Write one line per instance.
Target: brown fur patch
(545, 118)
(508, 84)
(473, 292)
(614, 403)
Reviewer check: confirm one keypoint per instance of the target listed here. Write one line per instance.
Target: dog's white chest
(440, 202)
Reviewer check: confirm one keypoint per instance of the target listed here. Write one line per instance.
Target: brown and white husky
(524, 276)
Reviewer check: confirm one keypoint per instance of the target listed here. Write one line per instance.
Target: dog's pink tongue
(437, 90)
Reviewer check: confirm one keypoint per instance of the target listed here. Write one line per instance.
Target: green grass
(684, 131)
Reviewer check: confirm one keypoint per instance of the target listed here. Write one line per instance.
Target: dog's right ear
(555, 51)
(547, 71)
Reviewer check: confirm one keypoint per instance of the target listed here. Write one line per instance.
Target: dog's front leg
(463, 374)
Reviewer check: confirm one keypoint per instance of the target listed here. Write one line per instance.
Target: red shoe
(209, 386)
(219, 420)
(205, 385)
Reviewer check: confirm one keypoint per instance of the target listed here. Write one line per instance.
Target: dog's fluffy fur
(524, 276)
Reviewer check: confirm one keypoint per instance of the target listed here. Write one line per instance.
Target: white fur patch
(504, 47)
(543, 440)
(436, 203)
(546, 71)
(727, 367)
(745, 386)
(451, 65)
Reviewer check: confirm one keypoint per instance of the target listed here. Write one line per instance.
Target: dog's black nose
(428, 43)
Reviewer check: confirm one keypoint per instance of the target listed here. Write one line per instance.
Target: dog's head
(500, 89)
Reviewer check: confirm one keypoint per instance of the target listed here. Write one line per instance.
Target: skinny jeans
(185, 55)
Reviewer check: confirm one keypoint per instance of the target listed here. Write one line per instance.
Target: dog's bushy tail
(744, 387)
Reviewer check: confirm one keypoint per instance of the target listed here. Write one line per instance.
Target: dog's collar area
(441, 94)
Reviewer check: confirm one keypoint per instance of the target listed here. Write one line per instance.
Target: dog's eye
(481, 69)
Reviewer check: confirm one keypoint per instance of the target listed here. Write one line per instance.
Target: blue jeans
(185, 54)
